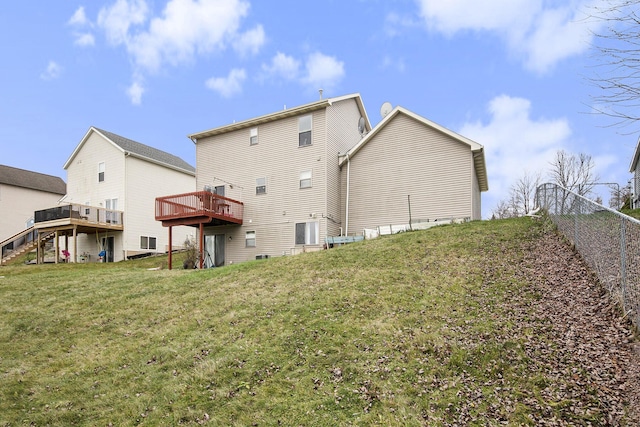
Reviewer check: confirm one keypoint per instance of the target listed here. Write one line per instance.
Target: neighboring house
(410, 170)
(22, 192)
(280, 183)
(635, 170)
(119, 179)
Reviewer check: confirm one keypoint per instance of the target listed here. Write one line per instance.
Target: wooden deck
(200, 207)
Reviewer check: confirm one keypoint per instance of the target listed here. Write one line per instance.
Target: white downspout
(346, 226)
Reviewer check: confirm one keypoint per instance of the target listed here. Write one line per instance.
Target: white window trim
(303, 130)
(264, 184)
(306, 179)
(249, 236)
(101, 170)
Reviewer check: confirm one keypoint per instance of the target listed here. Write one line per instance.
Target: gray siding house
(280, 184)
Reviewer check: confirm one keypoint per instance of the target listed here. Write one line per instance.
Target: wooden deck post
(170, 247)
(56, 247)
(201, 245)
(75, 243)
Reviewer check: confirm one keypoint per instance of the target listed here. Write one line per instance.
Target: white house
(112, 184)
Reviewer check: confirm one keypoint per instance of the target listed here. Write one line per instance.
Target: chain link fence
(607, 240)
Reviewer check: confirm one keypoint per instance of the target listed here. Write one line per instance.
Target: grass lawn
(407, 330)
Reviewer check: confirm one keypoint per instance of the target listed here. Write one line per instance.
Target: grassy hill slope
(423, 328)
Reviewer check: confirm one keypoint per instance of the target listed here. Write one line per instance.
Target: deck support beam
(170, 246)
(201, 245)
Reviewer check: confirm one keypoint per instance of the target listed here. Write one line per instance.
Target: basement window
(147, 242)
(307, 233)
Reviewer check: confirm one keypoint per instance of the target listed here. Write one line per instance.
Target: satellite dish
(385, 109)
(361, 126)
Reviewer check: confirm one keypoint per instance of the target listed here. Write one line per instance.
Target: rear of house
(115, 173)
(284, 168)
(410, 170)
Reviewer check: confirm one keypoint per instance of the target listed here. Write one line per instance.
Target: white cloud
(323, 71)
(187, 28)
(84, 39)
(320, 71)
(539, 33)
(397, 64)
(182, 32)
(52, 72)
(135, 92)
(79, 18)
(228, 86)
(515, 143)
(284, 66)
(251, 41)
(117, 19)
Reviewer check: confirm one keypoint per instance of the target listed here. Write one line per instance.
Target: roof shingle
(32, 180)
(143, 150)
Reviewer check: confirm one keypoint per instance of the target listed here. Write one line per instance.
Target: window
(307, 233)
(111, 205)
(250, 239)
(101, 172)
(147, 242)
(305, 179)
(219, 190)
(253, 136)
(304, 131)
(261, 185)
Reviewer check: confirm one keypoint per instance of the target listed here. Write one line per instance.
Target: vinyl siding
(476, 198)
(229, 160)
(144, 182)
(17, 206)
(342, 134)
(407, 158)
(83, 188)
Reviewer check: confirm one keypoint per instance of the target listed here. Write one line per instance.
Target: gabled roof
(32, 180)
(136, 149)
(287, 112)
(635, 158)
(476, 149)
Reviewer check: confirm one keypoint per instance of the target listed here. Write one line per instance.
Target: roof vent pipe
(320, 90)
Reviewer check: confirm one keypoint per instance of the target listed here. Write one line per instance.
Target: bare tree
(574, 172)
(521, 197)
(617, 77)
(620, 196)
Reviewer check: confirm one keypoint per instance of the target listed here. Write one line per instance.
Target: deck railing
(84, 213)
(198, 204)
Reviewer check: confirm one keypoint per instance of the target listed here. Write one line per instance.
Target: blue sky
(509, 74)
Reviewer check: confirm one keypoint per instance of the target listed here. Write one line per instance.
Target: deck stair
(21, 243)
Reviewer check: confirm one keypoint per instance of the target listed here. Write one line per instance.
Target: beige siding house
(410, 170)
(283, 170)
(280, 184)
(22, 192)
(110, 172)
